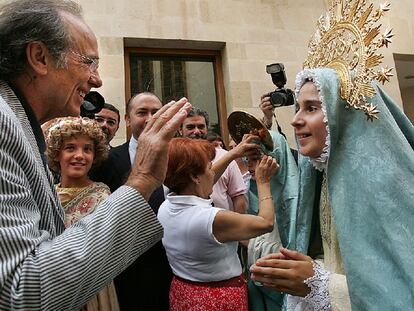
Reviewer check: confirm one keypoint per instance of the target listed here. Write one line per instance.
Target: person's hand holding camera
(267, 109)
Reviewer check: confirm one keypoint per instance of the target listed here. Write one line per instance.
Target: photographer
(280, 97)
(267, 109)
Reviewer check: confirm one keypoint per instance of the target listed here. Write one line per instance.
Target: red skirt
(228, 295)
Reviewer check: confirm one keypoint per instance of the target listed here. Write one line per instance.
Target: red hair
(187, 158)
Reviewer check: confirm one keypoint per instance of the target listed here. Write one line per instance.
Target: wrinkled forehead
(81, 35)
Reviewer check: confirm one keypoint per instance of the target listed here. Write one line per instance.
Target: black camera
(93, 102)
(281, 96)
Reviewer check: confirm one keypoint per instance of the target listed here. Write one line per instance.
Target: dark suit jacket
(115, 170)
(145, 284)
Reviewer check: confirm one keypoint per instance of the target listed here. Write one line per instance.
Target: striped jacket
(42, 265)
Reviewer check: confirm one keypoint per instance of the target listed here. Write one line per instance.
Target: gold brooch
(347, 39)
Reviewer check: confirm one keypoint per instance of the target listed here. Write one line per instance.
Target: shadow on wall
(404, 66)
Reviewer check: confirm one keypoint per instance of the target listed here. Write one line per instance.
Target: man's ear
(126, 118)
(38, 57)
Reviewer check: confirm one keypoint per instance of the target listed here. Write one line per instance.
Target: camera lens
(93, 102)
(278, 99)
(282, 97)
(88, 106)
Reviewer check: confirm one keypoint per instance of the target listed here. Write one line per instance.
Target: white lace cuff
(318, 283)
(318, 298)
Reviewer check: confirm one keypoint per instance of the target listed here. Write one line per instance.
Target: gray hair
(25, 21)
(194, 112)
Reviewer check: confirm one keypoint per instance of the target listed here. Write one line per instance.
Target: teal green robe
(284, 188)
(370, 174)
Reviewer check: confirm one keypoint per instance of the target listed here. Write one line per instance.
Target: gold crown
(347, 40)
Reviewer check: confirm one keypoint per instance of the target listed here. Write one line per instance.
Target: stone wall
(254, 32)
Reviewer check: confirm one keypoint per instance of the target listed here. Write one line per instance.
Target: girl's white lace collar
(320, 162)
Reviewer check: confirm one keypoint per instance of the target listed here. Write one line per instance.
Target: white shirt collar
(133, 145)
(187, 200)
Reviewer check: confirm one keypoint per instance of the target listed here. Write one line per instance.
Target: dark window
(172, 75)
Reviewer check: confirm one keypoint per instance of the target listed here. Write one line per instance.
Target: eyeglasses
(92, 63)
(101, 120)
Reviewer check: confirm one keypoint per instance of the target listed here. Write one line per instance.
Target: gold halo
(347, 39)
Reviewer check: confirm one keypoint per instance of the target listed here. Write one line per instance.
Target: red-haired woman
(201, 240)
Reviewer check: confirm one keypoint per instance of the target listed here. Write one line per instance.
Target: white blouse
(192, 250)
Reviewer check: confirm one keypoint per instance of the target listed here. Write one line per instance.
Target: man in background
(145, 284)
(108, 118)
(268, 113)
(229, 191)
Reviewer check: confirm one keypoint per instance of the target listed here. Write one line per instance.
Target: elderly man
(48, 62)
